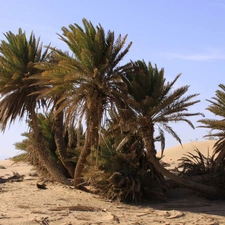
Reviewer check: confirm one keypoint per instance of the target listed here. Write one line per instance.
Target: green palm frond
(18, 54)
(155, 102)
(90, 73)
(217, 125)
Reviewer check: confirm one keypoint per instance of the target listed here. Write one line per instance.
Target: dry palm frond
(125, 175)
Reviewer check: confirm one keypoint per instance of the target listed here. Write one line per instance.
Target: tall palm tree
(17, 58)
(154, 104)
(96, 83)
(55, 88)
(217, 107)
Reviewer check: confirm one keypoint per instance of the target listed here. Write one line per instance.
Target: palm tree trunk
(60, 144)
(150, 148)
(43, 154)
(220, 157)
(91, 139)
(204, 189)
(81, 162)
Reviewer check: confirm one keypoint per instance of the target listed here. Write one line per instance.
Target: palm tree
(54, 89)
(46, 125)
(153, 105)
(17, 58)
(93, 73)
(217, 107)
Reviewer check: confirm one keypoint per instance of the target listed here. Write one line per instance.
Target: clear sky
(183, 36)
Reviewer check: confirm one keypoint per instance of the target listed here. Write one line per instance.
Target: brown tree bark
(85, 152)
(94, 115)
(204, 189)
(220, 157)
(42, 153)
(60, 144)
(90, 139)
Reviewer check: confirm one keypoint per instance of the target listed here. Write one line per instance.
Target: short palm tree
(27, 145)
(217, 107)
(46, 126)
(17, 58)
(154, 104)
(93, 73)
(123, 172)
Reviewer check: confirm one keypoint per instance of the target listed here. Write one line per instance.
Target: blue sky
(183, 36)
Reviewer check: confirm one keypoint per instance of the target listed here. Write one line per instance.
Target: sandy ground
(23, 203)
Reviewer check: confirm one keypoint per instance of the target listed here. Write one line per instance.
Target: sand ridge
(172, 155)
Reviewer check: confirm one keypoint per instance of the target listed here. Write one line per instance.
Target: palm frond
(18, 54)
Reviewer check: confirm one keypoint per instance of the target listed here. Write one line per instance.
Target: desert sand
(22, 203)
(175, 153)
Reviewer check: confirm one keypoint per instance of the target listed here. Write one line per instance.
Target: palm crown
(153, 100)
(17, 58)
(217, 107)
(92, 69)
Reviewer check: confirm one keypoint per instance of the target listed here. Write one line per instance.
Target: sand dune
(22, 203)
(175, 153)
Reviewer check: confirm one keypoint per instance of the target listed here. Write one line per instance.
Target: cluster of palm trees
(89, 85)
